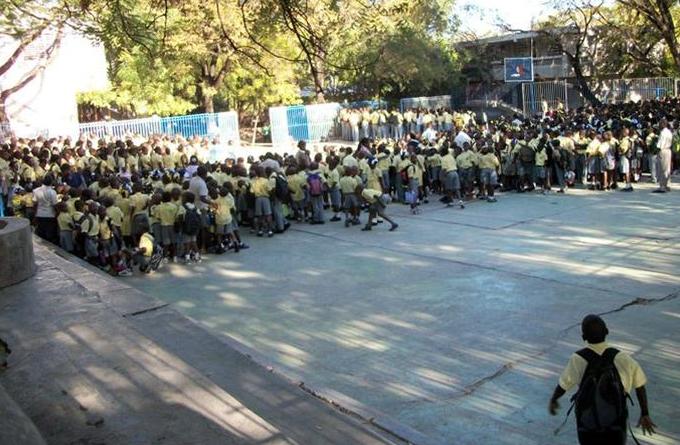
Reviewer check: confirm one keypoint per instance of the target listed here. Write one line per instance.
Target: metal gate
(536, 96)
(223, 125)
(312, 123)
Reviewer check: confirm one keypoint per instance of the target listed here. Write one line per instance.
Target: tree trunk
(208, 101)
(4, 118)
(319, 83)
(581, 82)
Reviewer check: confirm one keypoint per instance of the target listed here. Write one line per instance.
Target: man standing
(199, 188)
(664, 158)
(605, 377)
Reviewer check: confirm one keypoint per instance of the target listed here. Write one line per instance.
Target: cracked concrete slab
(419, 325)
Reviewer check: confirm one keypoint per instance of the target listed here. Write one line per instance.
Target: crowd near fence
(608, 91)
(319, 123)
(430, 102)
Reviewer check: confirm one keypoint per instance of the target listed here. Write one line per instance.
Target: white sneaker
(187, 258)
(125, 273)
(197, 258)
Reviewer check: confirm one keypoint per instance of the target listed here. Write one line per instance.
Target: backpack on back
(526, 154)
(600, 403)
(315, 185)
(192, 222)
(281, 188)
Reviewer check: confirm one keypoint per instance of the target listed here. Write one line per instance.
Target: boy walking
(597, 369)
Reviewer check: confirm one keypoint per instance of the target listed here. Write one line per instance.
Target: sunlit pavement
(97, 362)
(458, 324)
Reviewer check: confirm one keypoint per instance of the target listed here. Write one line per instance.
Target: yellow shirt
(104, 229)
(90, 225)
(146, 242)
(373, 177)
(138, 202)
(333, 178)
(295, 185)
(488, 160)
(348, 184)
(223, 212)
(167, 213)
(467, 159)
(371, 195)
(261, 187)
(115, 214)
(448, 163)
(65, 221)
(632, 375)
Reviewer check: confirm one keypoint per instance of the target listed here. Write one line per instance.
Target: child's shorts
(624, 165)
(335, 197)
(488, 176)
(351, 201)
(109, 247)
(452, 181)
(66, 240)
(539, 172)
(156, 231)
(167, 235)
(223, 229)
(91, 246)
(263, 207)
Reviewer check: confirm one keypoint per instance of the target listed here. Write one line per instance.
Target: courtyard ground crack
(471, 388)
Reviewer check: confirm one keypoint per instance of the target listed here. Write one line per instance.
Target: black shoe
(394, 227)
(335, 219)
(366, 229)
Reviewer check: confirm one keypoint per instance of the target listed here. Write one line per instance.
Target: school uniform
(449, 170)
(488, 163)
(261, 188)
(632, 377)
(65, 222)
(348, 185)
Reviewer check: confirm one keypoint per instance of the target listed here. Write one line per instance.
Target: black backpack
(526, 154)
(600, 403)
(281, 189)
(192, 222)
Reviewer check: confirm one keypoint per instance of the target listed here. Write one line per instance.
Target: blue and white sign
(519, 69)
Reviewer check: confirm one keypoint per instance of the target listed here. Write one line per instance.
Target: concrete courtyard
(454, 329)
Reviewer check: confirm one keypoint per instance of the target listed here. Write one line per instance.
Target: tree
(659, 14)
(28, 23)
(573, 30)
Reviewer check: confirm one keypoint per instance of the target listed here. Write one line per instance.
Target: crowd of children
(142, 202)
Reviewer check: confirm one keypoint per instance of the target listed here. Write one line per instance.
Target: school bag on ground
(315, 185)
(192, 222)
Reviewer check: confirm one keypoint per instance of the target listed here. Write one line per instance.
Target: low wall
(16, 251)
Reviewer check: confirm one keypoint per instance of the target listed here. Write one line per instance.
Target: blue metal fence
(225, 125)
(311, 123)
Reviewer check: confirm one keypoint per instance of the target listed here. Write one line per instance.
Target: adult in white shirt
(45, 198)
(664, 158)
(461, 138)
(430, 134)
